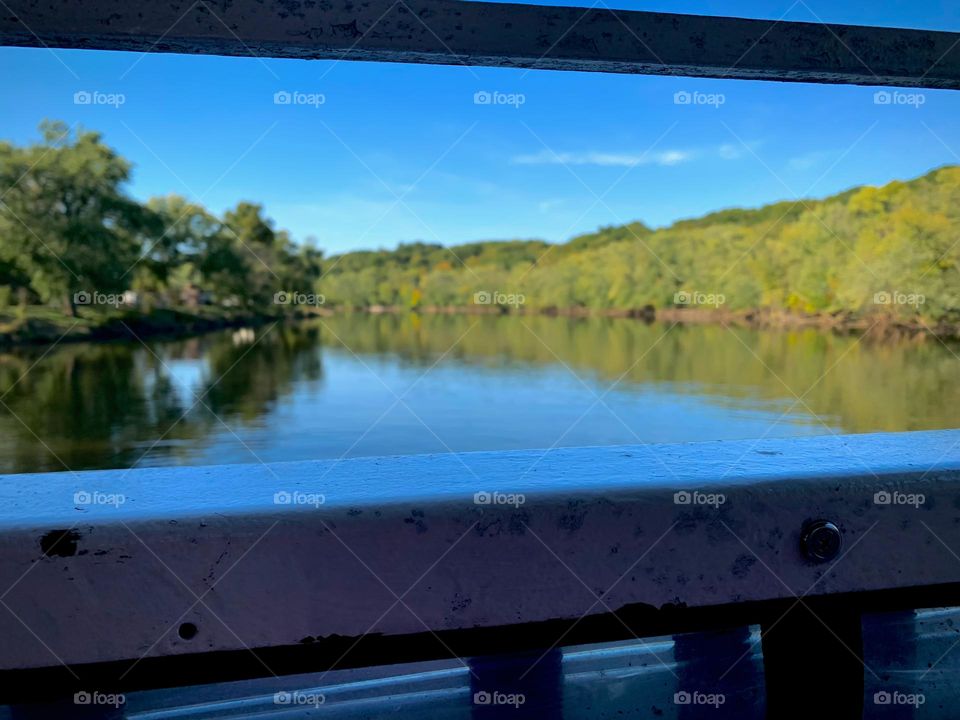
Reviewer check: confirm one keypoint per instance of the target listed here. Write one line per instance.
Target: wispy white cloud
(808, 161)
(663, 158)
(545, 206)
(729, 151)
(603, 159)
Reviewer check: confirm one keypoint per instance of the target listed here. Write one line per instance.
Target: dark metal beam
(793, 637)
(814, 659)
(495, 34)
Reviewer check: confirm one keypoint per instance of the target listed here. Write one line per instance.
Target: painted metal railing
(162, 577)
(132, 578)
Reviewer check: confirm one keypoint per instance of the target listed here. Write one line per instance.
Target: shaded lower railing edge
(780, 489)
(819, 632)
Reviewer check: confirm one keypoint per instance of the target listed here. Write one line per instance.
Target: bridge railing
(160, 577)
(139, 578)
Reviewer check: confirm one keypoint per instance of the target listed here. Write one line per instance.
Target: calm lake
(360, 384)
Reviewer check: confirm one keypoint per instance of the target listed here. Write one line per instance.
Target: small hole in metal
(188, 631)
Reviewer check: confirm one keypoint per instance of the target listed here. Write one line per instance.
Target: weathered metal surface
(113, 565)
(495, 34)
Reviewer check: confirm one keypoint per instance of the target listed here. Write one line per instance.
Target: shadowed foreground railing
(157, 577)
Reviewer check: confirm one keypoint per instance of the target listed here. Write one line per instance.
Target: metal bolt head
(821, 541)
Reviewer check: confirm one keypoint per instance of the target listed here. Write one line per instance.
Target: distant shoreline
(175, 324)
(164, 324)
(760, 319)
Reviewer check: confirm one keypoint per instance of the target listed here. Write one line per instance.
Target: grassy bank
(43, 325)
(756, 318)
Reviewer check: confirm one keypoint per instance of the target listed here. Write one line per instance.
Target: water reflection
(371, 385)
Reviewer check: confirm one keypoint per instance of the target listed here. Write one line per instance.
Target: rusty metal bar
(496, 34)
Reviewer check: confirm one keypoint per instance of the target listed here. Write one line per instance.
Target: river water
(359, 384)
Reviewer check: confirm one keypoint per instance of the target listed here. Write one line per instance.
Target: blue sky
(398, 153)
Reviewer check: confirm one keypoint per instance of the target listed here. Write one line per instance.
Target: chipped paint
(401, 545)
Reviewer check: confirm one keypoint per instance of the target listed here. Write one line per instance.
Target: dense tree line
(68, 230)
(68, 226)
(891, 250)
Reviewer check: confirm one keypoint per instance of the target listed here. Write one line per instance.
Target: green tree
(65, 222)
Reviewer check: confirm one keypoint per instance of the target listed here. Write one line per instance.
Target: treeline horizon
(69, 230)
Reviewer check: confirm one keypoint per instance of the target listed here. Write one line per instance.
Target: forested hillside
(892, 250)
(70, 233)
